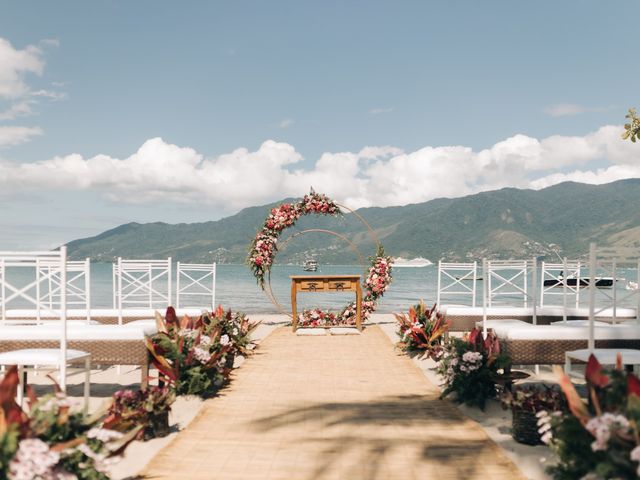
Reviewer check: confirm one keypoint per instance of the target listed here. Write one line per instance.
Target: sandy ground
(494, 420)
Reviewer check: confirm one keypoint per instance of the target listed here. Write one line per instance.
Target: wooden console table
(326, 283)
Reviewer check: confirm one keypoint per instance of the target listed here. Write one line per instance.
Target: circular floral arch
(264, 249)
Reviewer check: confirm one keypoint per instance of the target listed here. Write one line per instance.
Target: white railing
(143, 284)
(196, 281)
(458, 280)
(603, 263)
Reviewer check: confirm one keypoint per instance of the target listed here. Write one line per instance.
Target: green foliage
(139, 407)
(8, 446)
(632, 129)
(574, 448)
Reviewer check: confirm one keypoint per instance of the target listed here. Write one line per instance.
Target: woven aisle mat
(328, 407)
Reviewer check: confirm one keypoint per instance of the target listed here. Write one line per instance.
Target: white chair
(197, 283)
(141, 285)
(28, 358)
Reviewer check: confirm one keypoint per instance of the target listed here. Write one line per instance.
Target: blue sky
(145, 111)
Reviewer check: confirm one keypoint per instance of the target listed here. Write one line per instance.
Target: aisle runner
(330, 408)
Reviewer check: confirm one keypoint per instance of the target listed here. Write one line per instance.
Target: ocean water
(236, 288)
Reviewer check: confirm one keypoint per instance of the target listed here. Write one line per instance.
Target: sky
(112, 112)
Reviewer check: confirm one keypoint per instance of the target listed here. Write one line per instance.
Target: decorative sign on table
(325, 283)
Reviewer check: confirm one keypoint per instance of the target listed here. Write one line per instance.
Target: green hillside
(507, 223)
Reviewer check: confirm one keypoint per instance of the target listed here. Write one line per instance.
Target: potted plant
(525, 401)
(148, 407)
(422, 331)
(471, 367)
(598, 439)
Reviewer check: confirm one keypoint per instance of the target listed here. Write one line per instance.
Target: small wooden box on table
(325, 283)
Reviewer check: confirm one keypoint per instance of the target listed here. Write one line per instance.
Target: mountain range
(506, 223)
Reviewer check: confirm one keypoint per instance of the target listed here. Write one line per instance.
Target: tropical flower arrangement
(599, 439)
(196, 355)
(53, 441)
(264, 246)
(148, 407)
(377, 281)
(471, 366)
(422, 331)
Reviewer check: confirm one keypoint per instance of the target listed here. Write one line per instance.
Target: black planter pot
(524, 428)
(230, 359)
(158, 426)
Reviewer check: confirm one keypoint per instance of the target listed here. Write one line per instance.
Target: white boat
(414, 262)
(310, 265)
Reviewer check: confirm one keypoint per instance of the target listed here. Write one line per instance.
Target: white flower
(472, 357)
(205, 340)
(602, 426)
(224, 340)
(635, 454)
(201, 355)
(104, 434)
(33, 460)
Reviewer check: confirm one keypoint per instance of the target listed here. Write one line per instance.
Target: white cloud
(10, 135)
(572, 109)
(50, 42)
(378, 111)
(17, 109)
(286, 123)
(14, 64)
(379, 176)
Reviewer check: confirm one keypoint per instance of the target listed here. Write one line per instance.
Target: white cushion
(608, 312)
(548, 310)
(311, 331)
(74, 332)
(503, 324)
(101, 312)
(39, 356)
(495, 311)
(344, 331)
(555, 332)
(579, 323)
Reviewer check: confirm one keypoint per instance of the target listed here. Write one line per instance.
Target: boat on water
(414, 262)
(601, 282)
(310, 265)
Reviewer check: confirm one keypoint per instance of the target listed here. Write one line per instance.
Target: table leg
(294, 307)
